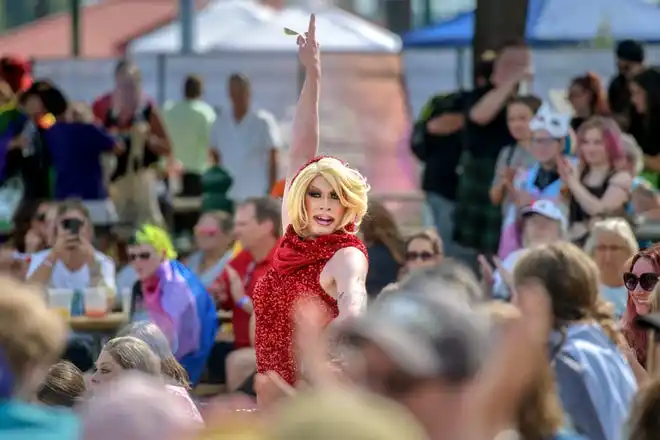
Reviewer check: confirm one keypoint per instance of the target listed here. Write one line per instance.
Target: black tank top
(576, 213)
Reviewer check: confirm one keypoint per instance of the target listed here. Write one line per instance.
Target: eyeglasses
(543, 140)
(139, 256)
(646, 281)
(424, 256)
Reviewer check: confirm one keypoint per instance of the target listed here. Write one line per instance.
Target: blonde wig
(351, 188)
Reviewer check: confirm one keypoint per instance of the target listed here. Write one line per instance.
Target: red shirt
(249, 272)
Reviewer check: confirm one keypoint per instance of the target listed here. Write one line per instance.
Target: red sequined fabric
(297, 266)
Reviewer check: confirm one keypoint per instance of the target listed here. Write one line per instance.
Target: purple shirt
(75, 150)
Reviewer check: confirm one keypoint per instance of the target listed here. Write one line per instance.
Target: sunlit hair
(31, 335)
(133, 354)
(574, 294)
(616, 226)
(611, 138)
(638, 338)
(590, 82)
(351, 188)
(429, 235)
(540, 413)
(157, 238)
(64, 386)
(379, 227)
(151, 334)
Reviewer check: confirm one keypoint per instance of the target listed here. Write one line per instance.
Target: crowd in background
(542, 204)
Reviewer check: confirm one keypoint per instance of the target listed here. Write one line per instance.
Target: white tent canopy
(220, 20)
(337, 30)
(244, 25)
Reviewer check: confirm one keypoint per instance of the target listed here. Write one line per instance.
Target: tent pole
(187, 20)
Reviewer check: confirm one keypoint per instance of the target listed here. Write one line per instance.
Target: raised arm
(305, 135)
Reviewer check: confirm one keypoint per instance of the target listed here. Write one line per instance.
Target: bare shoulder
(348, 259)
(622, 178)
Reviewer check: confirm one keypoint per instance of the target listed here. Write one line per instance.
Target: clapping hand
(308, 48)
(566, 171)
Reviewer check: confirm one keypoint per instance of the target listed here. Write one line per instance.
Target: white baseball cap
(548, 209)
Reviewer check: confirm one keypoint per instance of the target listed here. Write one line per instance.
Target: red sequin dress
(295, 274)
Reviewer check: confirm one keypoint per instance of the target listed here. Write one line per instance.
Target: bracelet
(243, 301)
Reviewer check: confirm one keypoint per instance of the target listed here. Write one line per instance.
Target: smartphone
(73, 225)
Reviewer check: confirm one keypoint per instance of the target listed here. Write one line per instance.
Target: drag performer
(172, 297)
(319, 257)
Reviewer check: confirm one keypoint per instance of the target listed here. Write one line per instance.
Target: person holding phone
(72, 262)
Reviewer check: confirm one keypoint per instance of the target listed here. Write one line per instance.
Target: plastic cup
(60, 301)
(126, 294)
(96, 302)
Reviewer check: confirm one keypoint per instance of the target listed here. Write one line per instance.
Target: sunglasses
(206, 230)
(424, 256)
(646, 281)
(139, 256)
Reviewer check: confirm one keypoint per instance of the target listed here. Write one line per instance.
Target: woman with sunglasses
(640, 281)
(424, 249)
(172, 297)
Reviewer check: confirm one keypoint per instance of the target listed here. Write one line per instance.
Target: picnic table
(109, 323)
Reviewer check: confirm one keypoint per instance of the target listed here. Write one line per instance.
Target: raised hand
(308, 47)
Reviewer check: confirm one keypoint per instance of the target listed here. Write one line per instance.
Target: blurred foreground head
(421, 347)
(31, 339)
(344, 415)
(135, 407)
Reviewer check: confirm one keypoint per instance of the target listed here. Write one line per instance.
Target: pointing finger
(312, 27)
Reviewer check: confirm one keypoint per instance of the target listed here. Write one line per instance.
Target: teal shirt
(189, 125)
(24, 421)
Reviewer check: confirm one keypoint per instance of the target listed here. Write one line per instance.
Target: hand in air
(308, 47)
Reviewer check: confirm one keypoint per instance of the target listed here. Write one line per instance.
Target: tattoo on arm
(351, 303)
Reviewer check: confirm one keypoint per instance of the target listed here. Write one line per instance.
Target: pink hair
(638, 339)
(614, 148)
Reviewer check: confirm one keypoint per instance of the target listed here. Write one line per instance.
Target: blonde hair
(539, 413)
(133, 354)
(617, 226)
(30, 333)
(351, 188)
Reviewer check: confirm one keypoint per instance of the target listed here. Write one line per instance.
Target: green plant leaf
(288, 31)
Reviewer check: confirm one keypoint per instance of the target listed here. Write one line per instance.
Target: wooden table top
(110, 322)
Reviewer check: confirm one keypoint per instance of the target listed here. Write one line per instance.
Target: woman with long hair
(596, 384)
(640, 281)
(600, 187)
(587, 96)
(385, 247)
(320, 257)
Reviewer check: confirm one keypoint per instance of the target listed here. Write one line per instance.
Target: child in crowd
(519, 114)
(550, 142)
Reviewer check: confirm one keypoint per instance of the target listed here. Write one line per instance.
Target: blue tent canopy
(556, 22)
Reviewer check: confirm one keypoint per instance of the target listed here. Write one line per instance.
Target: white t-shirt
(63, 278)
(244, 149)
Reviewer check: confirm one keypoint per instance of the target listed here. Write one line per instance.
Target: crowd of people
(340, 327)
